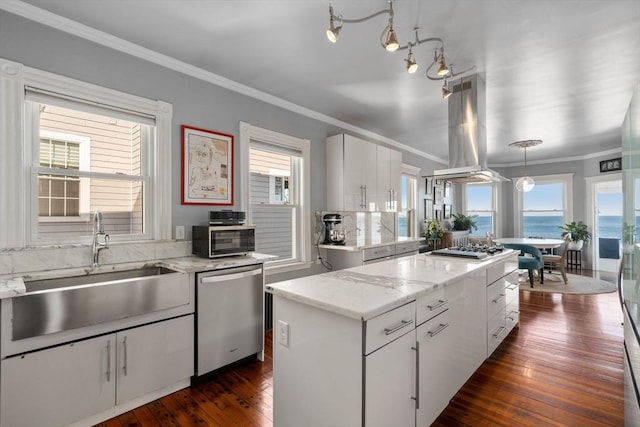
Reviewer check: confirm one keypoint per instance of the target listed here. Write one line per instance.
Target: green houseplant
(579, 234)
(464, 222)
(432, 229)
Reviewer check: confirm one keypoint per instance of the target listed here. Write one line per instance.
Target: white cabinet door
(153, 357)
(437, 383)
(390, 384)
(359, 174)
(60, 385)
(389, 172)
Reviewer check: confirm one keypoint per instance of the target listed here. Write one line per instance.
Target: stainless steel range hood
(468, 134)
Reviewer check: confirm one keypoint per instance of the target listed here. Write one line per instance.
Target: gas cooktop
(468, 251)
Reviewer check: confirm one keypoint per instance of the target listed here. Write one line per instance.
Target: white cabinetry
(502, 303)
(361, 176)
(70, 382)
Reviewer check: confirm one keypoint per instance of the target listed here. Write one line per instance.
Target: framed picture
(207, 167)
(428, 209)
(447, 189)
(428, 188)
(611, 165)
(447, 211)
(438, 196)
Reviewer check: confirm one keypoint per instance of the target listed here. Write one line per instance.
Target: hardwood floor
(562, 367)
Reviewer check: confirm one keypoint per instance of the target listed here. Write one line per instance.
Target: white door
(390, 384)
(58, 386)
(154, 356)
(607, 238)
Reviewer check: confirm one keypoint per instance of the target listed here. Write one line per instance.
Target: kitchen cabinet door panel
(153, 357)
(60, 385)
(390, 384)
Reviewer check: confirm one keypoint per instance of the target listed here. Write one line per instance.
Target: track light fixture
(437, 70)
(525, 183)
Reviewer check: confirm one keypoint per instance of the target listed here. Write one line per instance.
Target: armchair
(530, 259)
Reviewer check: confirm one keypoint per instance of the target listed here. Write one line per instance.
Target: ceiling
(558, 70)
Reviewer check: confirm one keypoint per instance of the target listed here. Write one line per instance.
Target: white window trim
(567, 181)
(248, 133)
(413, 172)
(15, 153)
(496, 195)
(85, 191)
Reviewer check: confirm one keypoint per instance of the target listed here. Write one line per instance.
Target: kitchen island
(388, 343)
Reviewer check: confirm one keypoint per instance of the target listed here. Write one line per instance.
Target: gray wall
(195, 102)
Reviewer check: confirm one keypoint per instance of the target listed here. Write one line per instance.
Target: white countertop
(367, 291)
(11, 286)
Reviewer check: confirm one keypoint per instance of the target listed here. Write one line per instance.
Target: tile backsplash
(368, 228)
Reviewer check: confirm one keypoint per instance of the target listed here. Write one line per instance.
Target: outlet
(283, 333)
(180, 232)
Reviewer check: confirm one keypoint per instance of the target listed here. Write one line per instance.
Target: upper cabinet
(361, 176)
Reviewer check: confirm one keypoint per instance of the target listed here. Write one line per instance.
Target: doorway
(606, 221)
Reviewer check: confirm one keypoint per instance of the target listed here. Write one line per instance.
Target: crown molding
(560, 159)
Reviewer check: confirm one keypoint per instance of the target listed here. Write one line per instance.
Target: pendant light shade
(526, 183)
(391, 43)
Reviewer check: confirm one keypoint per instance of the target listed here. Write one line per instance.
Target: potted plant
(579, 234)
(432, 229)
(464, 222)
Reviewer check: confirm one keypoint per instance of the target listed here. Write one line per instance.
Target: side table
(574, 259)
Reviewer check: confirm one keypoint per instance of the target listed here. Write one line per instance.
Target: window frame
(567, 182)
(495, 202)
(302, 232)
(411, 172)
(16, 155)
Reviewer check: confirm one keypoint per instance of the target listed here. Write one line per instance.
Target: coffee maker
(334, 234)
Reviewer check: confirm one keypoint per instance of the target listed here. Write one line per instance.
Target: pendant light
(525, 183)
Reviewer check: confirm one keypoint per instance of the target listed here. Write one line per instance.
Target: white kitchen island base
(379, 345)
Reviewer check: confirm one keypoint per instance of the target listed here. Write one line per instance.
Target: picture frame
(207, 167)
(428, 209)
(447, 189)
(438, 196)
(611, 165)
(428, 188)
(447, 211)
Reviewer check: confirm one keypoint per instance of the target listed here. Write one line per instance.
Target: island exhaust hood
(468, 134)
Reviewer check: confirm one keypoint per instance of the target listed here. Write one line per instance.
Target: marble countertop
(364, 245)
(11, 286)
(368, 291)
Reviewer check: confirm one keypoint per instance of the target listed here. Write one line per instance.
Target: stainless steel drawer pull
(124, 365)
(417, 396)
(500, 332)
(403, 323)
(441, 327)
(512, 315)
(437, 305)
(497, 299)
(108, 360)
(512, 286)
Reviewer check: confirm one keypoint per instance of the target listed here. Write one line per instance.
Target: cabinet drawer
(378, 252)
(512, 315)
(407, 247)
(497, 331)
(496, 298)
(388, 326)
(431, 305)
(511, 288)
(495, 272)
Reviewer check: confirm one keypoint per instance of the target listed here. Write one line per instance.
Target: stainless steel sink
(56, 305)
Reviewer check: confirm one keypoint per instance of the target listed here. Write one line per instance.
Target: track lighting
(412, 65)
(525, 183)
(437, 70)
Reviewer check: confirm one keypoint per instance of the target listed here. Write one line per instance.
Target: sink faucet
(100, 238)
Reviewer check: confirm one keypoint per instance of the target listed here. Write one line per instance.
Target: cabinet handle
(403, 323)
(512, 315)
(500, 332)
(495, 301)
(362, 196)
(365, 197)
(512, 286)
(439, 304)
(417, 396)
(124, 364)
(108, 360)
(441, 327)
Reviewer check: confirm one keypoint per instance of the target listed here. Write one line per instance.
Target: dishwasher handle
(232, 276)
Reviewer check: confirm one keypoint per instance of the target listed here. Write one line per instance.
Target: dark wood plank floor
(562, 367)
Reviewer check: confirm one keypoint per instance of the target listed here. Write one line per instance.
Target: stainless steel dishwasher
(229, 317)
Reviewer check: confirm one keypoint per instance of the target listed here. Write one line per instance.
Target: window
(479, 200)
(407, 226)
(542, 211)
(85, 148)
(276, 193)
